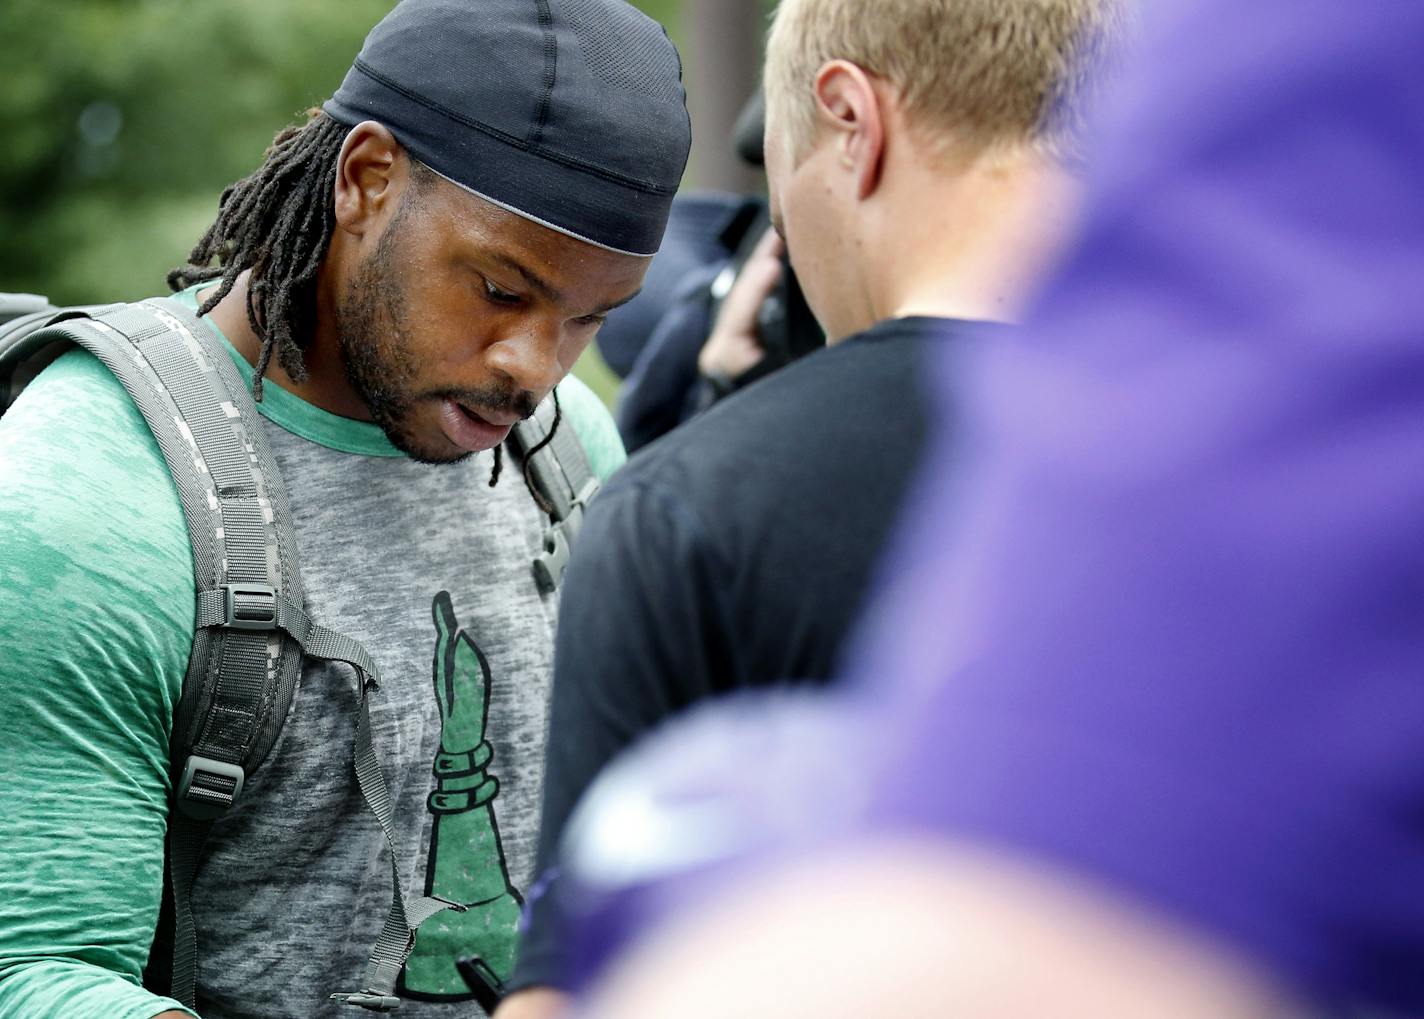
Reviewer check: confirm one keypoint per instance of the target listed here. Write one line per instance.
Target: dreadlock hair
(277, 223)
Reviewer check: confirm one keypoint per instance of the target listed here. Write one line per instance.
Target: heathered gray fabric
(296, 883)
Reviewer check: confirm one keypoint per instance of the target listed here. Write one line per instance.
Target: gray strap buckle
(208, 788)
(559, 537)
(249, 606)
(550, 563)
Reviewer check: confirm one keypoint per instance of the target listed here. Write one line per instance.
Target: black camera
(785, 325)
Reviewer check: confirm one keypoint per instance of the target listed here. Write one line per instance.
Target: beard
(373, 323)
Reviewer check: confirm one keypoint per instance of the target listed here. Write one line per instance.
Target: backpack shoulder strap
(251, 631)
(23, 353)
(564, 480)
(15, 305)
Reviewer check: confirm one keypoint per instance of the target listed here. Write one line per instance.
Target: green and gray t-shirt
(429, 567)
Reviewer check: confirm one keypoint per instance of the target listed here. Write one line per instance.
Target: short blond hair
(981, 73)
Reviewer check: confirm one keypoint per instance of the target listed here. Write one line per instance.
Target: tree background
(121, 121)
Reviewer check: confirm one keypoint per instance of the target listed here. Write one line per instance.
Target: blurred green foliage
(121, 121)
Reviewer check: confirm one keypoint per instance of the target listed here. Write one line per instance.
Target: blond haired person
(918, 155)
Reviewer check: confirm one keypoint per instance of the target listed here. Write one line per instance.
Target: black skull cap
(570, 113)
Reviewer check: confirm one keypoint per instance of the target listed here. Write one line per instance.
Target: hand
(733, 349)
(533, 1003)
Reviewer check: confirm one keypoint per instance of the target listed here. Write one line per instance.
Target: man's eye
(593, 320)
(499, 296)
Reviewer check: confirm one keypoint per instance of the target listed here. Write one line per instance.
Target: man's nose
(530, 357)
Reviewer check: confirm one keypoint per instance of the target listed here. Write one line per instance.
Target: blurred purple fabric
(1178, 639)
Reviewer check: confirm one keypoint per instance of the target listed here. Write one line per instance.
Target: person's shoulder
(928, 329)
(899, 342)
(82, 478)
(859, 394)
(864, 361)
(664, 487)
(594, 426)
(827, 389)
(73, 421)
(94, 536)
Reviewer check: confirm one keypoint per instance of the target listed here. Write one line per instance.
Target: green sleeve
(96, 617)
(594, 425)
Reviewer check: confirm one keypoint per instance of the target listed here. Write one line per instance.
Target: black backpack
(249, 587)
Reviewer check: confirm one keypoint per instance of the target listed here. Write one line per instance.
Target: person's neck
(325, 386)
(971, 244)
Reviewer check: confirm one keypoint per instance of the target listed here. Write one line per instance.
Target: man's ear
(848, 108)
(368, 173)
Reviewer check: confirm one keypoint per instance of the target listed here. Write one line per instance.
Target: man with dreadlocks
(919, 171)
(405, 276)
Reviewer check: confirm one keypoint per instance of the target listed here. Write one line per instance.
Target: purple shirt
(1178, 639)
